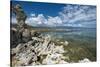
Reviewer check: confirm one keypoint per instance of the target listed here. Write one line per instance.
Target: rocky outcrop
(85, 60)
(14, 37)
(37, 51)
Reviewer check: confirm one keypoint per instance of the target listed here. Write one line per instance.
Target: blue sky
(40, 8)
(53, 14)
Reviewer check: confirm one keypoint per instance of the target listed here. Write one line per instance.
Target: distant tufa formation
(20, 16)
(21, 34)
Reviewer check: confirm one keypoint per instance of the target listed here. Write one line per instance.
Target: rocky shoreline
(29, 47)
(40, 50)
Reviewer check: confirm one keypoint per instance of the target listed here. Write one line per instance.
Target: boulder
(26, 35)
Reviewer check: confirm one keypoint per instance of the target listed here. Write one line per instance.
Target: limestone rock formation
(26, 35)
(20, 15)
(85, 60)
(33, 52)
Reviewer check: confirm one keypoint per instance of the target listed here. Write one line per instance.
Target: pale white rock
(43, 46)
(62, 62)
(26, 33)
(14, 29)
(61, 42)
(54, 59)
(84, 60)
(38, 39)
(58, 49)
(66, 43)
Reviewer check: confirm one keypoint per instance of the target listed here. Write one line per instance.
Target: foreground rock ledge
(37, 51)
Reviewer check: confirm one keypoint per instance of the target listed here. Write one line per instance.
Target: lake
(81, 40)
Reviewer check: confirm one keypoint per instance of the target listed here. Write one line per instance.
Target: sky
(53, 14)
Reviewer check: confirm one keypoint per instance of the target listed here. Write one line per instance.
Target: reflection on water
(78, 38)
(77, 35)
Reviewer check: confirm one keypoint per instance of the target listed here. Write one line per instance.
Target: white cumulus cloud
(41, 19)
(71, 15)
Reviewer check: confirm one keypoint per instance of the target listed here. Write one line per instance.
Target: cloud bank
(71, 15)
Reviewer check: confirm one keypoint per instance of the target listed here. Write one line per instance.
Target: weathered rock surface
(30, 47)
(85, 60)
(33, 52)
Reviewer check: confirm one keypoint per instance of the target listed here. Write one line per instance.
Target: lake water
(81, 35)
(78, 38)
